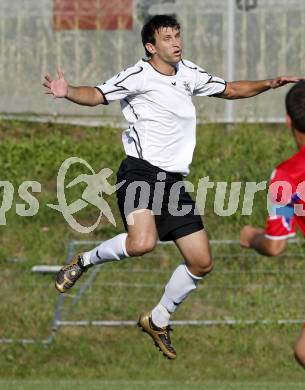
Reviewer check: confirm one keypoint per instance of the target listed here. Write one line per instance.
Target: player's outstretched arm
(244, 89)
(251, 237)
(59, 88)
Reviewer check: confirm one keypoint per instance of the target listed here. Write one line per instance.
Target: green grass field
(149, 385)
(215, 357)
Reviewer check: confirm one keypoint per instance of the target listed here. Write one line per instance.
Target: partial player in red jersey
(287, 194)
(286, 197)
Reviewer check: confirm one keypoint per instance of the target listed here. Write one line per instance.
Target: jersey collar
(173, 75)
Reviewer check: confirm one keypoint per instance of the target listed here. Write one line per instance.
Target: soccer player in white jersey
(156, 100)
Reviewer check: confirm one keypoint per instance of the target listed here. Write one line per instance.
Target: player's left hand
(283, 80)
(247, 235)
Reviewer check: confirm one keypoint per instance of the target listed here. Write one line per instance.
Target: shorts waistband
(174, 175)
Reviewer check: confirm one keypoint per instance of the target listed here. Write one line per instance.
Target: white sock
(180, 285)
(110, 250)
(160, 316)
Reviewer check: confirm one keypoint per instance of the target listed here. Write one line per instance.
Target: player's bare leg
(299, 349)
(195, 249)
(141, 238)
(142, 232)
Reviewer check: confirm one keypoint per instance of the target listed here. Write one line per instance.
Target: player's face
(168, 45)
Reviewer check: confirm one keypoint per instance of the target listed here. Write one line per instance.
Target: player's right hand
(59, 87)
(247, 235)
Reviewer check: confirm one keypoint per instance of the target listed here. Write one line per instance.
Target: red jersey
(287, 196)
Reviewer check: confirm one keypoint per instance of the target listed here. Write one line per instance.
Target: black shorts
(160, 191)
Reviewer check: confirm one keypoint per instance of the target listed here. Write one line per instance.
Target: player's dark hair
(295, 106)
(154, 24)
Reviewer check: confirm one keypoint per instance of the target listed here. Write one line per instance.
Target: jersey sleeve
(281, 222)
(208, 85)
(128, 82)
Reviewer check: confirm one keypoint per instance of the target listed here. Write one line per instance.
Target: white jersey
(160, 112)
